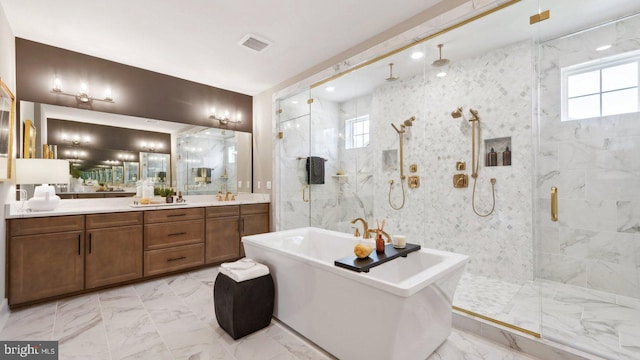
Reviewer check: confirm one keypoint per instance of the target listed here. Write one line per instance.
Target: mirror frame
(7, 140)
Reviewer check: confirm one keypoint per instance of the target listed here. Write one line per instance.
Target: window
(356, 132)
(605, 87)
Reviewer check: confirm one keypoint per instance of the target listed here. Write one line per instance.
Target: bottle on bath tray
(379, 242)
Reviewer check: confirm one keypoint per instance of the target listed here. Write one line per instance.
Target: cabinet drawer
(222, 211)
(161, 216)
(98, 221)
(43, 225)
(177, 258)
(158, 236)
(254, 208)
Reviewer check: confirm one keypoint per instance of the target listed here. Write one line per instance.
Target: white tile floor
(597, 322)
(172, 318)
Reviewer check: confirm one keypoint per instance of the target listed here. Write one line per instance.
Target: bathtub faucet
(365, 227)
(384, 233)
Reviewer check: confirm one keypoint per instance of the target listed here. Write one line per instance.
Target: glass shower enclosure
(574, 281)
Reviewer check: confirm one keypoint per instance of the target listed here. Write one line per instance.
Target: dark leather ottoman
(243, 307)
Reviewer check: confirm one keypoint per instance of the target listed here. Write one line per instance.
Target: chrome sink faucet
(365, 231)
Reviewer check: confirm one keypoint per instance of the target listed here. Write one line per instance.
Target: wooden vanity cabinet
(222, 235)
(46, 257)
(56, 256)
(113, 249)
(254, 219)
(173, 240)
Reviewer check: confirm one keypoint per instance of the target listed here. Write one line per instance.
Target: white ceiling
(198, 40)
(479, 37)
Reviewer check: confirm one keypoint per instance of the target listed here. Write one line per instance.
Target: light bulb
(57, 86)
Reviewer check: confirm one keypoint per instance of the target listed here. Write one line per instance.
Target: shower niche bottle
(492, 158)
(506, 157)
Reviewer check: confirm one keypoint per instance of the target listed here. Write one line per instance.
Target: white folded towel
(244, 269)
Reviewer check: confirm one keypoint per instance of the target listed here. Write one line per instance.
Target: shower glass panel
(292, 149)
(341, 136)
(351, 127)
(588, 261)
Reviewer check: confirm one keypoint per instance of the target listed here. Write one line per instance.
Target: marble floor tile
(173, 318)
(594, 321)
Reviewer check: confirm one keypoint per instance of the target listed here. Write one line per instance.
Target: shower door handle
(554, 204)
(304, 198)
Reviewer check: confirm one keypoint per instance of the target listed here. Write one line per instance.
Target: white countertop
(16, 210)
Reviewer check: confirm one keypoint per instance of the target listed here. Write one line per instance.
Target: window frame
(349, 137)
(599, 65)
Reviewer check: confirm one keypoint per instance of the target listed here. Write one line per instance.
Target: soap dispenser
(492, 158)
(506, 157)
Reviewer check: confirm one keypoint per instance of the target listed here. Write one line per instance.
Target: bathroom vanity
(90, 244)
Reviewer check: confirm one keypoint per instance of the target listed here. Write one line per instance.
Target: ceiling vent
(254, 42)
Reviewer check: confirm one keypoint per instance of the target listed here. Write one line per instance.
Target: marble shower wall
(596, 167)
(498, 85)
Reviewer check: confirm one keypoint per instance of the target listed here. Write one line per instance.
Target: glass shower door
(588, 138)
(293, 192)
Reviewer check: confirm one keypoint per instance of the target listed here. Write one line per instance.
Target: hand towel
(243, 270)
(315, 170)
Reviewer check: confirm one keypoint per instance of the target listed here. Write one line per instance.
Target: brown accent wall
(106, 141)
(136, 92)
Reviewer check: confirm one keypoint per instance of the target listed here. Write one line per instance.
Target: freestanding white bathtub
(399, 310)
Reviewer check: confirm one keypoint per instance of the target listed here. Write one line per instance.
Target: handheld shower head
(409, 121)
(399, 131)
(474, 115)
(457, 113)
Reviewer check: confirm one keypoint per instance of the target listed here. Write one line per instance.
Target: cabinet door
(45, 265)
(253, 224)
(223, 239)
(113, 255)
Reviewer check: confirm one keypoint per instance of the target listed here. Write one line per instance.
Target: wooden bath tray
(375, 259)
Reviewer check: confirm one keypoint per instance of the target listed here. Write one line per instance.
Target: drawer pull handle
(176, 259)
(78, 244)
(175, 215)
(178, 234)
(89, 243)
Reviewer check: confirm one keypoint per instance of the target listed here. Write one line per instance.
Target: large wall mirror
(7, 116)
(111, 152)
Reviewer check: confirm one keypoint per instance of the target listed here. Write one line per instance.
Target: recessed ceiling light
(330, 89)
(441, 74)
(294, 102)
(603, 47)
(417, 55)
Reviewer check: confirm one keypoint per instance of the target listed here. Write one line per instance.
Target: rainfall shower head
(457, 113)
(391, 77)
(440, 61)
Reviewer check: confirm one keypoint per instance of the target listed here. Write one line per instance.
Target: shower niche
(498, 152)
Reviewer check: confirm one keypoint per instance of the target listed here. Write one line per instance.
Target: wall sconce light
(151, 146)
(83, 96)
(74, 154)
(75, 139)
(224, 119)
(125, 156)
